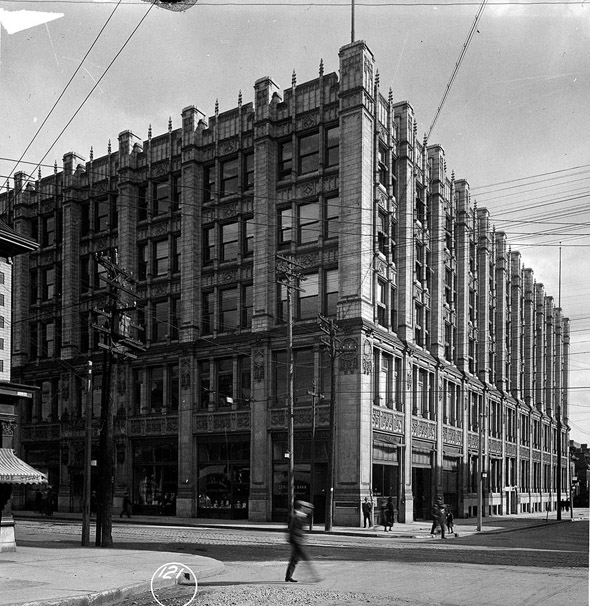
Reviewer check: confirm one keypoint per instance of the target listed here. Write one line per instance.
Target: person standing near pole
(301, 510)
(367, 511)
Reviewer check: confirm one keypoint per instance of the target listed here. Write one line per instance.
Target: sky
(515, 122)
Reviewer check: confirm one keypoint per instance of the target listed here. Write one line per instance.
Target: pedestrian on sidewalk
(297, 540)
(438, 516)
(450, 527)
(126, 506)
(367, 511)
(388, 514)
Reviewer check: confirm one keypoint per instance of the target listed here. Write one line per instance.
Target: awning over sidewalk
(15, 471)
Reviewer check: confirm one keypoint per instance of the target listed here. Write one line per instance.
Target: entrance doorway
(422, 492)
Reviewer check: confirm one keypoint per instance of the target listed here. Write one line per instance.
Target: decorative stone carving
(367, 357)
(121, 386)
(423, 429)
(228, 210)
(228, 276)
(185, 373)
(349, 355)
(258, 365)
(8, 428)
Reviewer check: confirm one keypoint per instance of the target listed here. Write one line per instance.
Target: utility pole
(117, 342)
(332, 343)
(558, 479)
(315, 395)
(289, 277)
(87, 461)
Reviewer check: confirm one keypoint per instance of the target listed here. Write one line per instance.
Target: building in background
(13, 471)
(449, 351)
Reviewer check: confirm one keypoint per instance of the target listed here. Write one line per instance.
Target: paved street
(542, 566)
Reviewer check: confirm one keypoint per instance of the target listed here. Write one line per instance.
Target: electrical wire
(65, 89)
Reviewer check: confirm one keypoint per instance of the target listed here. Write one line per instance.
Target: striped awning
(15, 471)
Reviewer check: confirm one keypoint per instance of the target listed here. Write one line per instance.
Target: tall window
(33, 286)
(247, 305)
(229, 241)
(142, 261)
(172, 388)
(49, 231)
(176, 192)
(248, 236)
(160, 321)
(208, 244)
(245, 378)
(209, 183)
(161, 198)
(208, 308)
(248, 168)
(85, 274)
(285, 158)
(175, 254)
(229, 177)
(48, 283)
(156, 388)
(332, 146)
(382, 302)
(174, 318)
(204, 367)
(160, 258)
(308, 297)
(382, 233)
(330, 291)
(285, 226)
(309, 222)
(142, 203)
(385, 380)
(47, 339)
(309, 153)
(383, 165)
(101, 215)
(225, 381)
(332, 217)
(228, 309)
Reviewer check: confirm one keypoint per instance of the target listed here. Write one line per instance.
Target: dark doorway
(422, 491)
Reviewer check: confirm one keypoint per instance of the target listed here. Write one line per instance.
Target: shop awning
(15, 471)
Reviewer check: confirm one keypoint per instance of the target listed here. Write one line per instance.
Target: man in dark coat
(367, 510)
(439, 517)
(297, 540)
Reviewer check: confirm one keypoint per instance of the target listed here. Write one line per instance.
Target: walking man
(439, 517)
(367, 510)
(297, 540)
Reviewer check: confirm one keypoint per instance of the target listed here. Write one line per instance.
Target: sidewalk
(68, 576)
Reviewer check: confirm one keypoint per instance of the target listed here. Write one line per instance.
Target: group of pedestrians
(302, 509)
(387, 514)
(441, 518)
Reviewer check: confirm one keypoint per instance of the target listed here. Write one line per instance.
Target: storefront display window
(224, 479)
(155, 478)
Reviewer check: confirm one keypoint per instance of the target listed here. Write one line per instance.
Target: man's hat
(303, 505)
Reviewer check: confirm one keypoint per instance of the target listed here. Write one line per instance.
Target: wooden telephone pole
(117, 343)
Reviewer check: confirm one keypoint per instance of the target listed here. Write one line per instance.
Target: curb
(107, 597)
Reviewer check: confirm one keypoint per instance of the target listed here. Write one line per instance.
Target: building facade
(450, 356)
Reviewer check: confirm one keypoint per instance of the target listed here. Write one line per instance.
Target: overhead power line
(458, 64)
(96, 84)
(65, 89)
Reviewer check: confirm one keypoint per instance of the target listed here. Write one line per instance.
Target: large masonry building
(449, 354)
